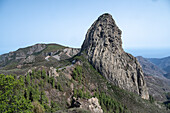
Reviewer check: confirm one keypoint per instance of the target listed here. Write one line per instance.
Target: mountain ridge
(36, 53)
(149, 68)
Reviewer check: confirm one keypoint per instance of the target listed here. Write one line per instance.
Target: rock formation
(103, 46)
(94, 105)
(91, 104)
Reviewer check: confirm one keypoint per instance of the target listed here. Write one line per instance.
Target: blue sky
(145, 23)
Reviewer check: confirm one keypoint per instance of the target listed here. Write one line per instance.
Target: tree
(151, 99)
(54, 106)
(77, 73)
(33, 74)
(38, 74)
(12, 95)
(43, 99)
(80, 93)
(59, 87)
(87, 95)
(41, 83)
(43, 76)
(75, 93)
(28, 79)
(52, 81)
(38, 108)
(168, 95)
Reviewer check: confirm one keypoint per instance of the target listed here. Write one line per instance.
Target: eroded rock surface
(91, 104)
(94, 105)
(103, 46)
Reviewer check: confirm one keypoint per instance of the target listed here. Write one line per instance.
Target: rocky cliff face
(103, 46)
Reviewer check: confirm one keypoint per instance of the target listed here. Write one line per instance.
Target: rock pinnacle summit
(103, 46)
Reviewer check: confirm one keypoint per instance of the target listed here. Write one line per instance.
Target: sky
(145, 24)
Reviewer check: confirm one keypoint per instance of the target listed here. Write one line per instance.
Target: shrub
(54, 106)
(151, 99)
(38, 108)
(43, 76)
(59, 87)
(77, 73)
(168, 95)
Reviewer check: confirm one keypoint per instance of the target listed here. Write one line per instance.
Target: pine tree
(12, 94)
(54, 106)
(43, 76)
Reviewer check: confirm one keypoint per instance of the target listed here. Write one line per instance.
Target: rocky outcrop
(65, 53)
(29, 59)
(53, 72)
(103, 46)
(94, 105)
(91, 104)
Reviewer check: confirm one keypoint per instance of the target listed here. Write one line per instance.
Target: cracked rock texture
(103, 46)
(94, 105)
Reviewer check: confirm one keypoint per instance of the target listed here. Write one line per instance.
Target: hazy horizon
(144, 23)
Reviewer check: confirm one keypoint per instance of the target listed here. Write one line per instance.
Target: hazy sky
(145, 23)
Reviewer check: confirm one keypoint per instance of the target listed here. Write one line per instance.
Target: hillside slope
(157, 84)
(71, 87)
(37, 54)
(57, 79)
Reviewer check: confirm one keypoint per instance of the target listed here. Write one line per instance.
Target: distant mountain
(155, 78)
(163, 63)
(150, 68)
(167, 69)
(167, 75)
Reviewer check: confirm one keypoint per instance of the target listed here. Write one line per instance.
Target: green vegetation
(51, 80)
(77, 73)
(11, 65)
(27, 94)
(59, 87)
(110, 105)
(168, 105)
(53, 47)
(54, 107)
(151, 99)
(12, 95)
(111, 98)
(38, 108)
(80, 93)
(168, 95)
(39, 92)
